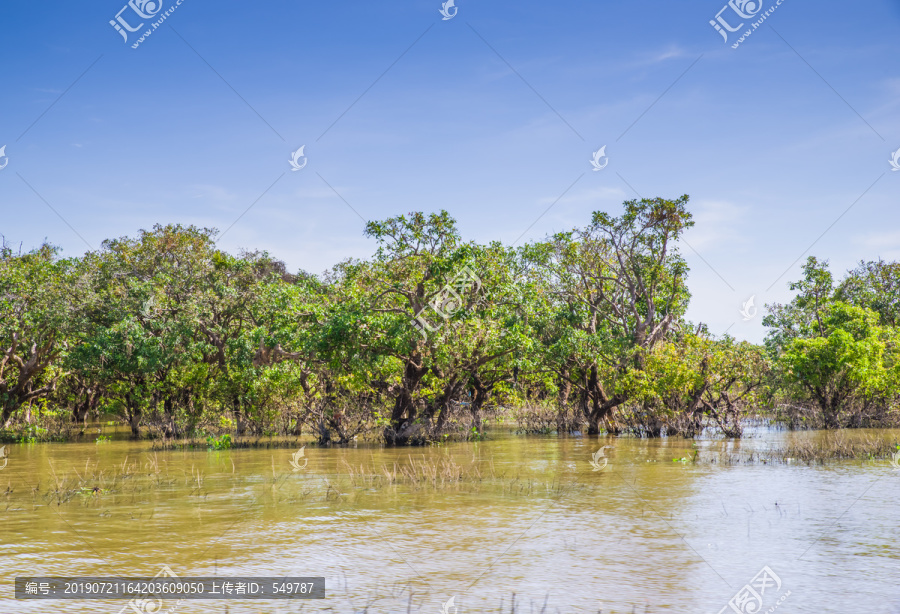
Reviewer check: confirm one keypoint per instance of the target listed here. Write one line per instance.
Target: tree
(40, 299)
(840, 360)
(834, 353)
(620, 284)
(874, 285)
(140, 341)
(694, 381)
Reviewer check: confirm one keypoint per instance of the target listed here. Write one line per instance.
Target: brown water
(538, 522)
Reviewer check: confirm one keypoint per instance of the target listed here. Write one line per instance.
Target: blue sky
(492, 115)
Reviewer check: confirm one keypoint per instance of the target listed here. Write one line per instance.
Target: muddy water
(529, 517)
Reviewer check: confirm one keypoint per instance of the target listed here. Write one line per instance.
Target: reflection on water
(389, 528)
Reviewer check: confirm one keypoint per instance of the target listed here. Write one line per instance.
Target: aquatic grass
(446, 473)
(838, 446)
(402, 598)
(441, 472)
(226, 442)
(130, 478)
(134, 480)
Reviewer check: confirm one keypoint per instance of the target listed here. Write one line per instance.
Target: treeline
(429, 337)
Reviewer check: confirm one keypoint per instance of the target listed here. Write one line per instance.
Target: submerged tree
(430, 335)
(831, 352)
(40, 299)
(619, 287)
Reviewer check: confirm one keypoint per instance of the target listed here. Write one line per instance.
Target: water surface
(529, 517)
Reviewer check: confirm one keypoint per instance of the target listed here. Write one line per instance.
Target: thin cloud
(670, 53)
(213, 193)
(880, 244)
(716, 223)
(591, 195)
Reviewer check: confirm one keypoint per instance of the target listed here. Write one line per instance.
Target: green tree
(140, 334)
(829, 348)
(795, 319)
(874, 285)
(619, 285)
(694, 381)
(40, 302)
(840, 360)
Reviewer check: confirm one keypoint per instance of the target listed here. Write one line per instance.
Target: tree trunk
(80, 411)
(480, 397)
(605, 412)
(238, 415)
(404, 412)
(565, 389)
(134, 417)
(444, 404)
(169, 412)
(8, 408)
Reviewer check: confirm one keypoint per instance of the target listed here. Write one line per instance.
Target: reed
(838, 446)
(419, 472)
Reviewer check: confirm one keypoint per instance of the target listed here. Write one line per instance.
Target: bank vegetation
(431, 337)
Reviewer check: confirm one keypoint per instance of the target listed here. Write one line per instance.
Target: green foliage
(32, 434)
(430, 336)
(839, 355)
(40, 302)
(609, 294)
(222, 442)
(874, 285)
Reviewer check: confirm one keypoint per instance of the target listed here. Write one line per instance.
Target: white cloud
(673, 51)
(880, 244)
(592, 195)
(716, 223)
(212, 192)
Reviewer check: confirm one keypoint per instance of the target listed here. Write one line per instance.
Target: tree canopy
(431, 336)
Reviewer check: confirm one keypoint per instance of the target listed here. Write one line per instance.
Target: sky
(492, 111)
